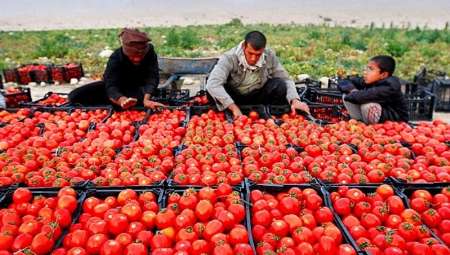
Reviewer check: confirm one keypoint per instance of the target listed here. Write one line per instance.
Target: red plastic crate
(73, 70)
(10, 75)
(58, 73)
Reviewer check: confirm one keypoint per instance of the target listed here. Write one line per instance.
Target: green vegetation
(316, 50)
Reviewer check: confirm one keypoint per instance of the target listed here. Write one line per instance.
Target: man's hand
(127, 102)
(297, 105)
(152, 104)
(235, 110)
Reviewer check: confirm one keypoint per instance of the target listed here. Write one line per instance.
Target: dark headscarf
(134, 42)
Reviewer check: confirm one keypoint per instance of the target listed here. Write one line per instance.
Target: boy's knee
(371, 112)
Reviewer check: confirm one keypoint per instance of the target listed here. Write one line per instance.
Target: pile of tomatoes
(295, 222)
(54, 99)
(434, 210)
(381, 224)
(14, 117)
(209, 156)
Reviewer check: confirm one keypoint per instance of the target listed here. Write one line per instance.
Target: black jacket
(123, 78)
(386, 92)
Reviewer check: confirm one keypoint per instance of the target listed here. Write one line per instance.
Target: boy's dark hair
(256, 39)
(385, 63)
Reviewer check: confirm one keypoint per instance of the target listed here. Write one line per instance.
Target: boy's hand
(345, 86)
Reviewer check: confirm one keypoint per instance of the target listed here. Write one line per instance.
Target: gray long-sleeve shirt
(229, 71)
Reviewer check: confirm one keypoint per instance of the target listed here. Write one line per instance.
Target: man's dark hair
(256, 39)
(385, 63)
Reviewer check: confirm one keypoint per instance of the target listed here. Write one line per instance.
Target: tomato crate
(49, 193)
(50, 99)
(247, 109)
(421, 105)
(11, 75)
(327, 113)
(323, 96)
(387, 194)
(171, 108)
(441, 88)
(15, 96)
(277, 111)
(172, 97)
(201, 98)
(73, 70)
(275, 191)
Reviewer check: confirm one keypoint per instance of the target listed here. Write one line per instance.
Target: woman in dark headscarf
(130, 78)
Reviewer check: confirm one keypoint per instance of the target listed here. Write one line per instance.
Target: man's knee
(277, 87)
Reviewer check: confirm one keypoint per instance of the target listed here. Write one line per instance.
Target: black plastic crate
(247, 109)
(420, 105)
(172, 97)
(274, 189)
(16, 98)
(41, 102)
(11, 75)
(323, 96)
(326, 113)
(301, 91)
(441, 88)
